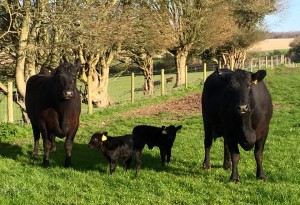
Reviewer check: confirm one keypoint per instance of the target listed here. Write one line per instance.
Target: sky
(286, 20)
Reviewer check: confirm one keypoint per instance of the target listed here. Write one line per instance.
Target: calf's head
(65, 77)
(97, 140)
(170, 133)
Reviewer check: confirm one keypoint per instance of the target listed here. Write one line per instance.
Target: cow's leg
(226, 162)
(207, 146)
(53, 144)
(169, 155)
(69, 146)
(127, 163)
(163, 154)
(258, 153)
(36, 136)
(138, 158)
(47, 146)
(112, 166)
(235, 158)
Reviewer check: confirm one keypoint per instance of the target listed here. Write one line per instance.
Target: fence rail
(128, 89)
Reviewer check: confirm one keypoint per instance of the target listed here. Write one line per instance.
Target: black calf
(114, 148)
(162, 137)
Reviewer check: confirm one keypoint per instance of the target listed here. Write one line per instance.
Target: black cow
(236, 105)
(53, 107)
(162, 137)
(114, 148)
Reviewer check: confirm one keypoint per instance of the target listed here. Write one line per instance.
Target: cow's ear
(258, 76)
(105, 133)
(178, 129)
(77, 65)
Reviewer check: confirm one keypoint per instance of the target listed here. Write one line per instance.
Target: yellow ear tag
(104, 138)
(254, 82)
(164, 132)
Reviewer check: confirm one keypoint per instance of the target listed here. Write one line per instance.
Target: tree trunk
(100, 96)
(100, 77)
(180, 60)
(148, 75)
(21, 54)
(234, 59)
(30, 66)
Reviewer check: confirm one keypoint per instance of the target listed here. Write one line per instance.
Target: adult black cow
(53, 107)
(236, 105)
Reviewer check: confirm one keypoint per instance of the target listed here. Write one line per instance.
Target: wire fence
(120, 88)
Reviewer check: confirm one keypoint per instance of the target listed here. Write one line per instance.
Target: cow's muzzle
(242, 109)
(68, 94)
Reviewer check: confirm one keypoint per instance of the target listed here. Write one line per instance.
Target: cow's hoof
(206, 167)
(35, 153)
(235, 180)
(46, 163)
(226, 166)
(263, 178)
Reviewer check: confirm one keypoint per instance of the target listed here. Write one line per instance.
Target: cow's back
(32, 97)
(145, 134)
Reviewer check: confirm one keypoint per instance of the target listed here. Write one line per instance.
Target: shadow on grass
(87, 159)
(83, 159)
(10, 151)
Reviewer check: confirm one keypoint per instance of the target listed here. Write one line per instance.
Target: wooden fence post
(132, 87)
(162, 80)
(10, 113)
(204, 72)
(282, 59)
(272, 63)
(266, 61)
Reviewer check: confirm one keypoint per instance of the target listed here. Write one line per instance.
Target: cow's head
(65, 75)
(239, 102)
(239, 86)
(170, 133)
(97, 139)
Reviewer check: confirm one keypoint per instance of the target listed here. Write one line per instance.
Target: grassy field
(25, 181)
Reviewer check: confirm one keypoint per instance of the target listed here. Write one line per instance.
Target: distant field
(272, 44)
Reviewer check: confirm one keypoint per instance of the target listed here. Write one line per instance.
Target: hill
(272, 44)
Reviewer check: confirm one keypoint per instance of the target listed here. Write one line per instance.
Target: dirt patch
(189, 105)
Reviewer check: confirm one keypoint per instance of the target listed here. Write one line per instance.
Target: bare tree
(197, 25)
(152, 35)
(249, 16)
(102, 29)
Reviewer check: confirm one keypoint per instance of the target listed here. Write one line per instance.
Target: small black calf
(114, 148)
(162, 137)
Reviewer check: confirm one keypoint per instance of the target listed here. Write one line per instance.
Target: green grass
(25, 181)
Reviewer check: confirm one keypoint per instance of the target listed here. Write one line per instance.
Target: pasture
(25, 181)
